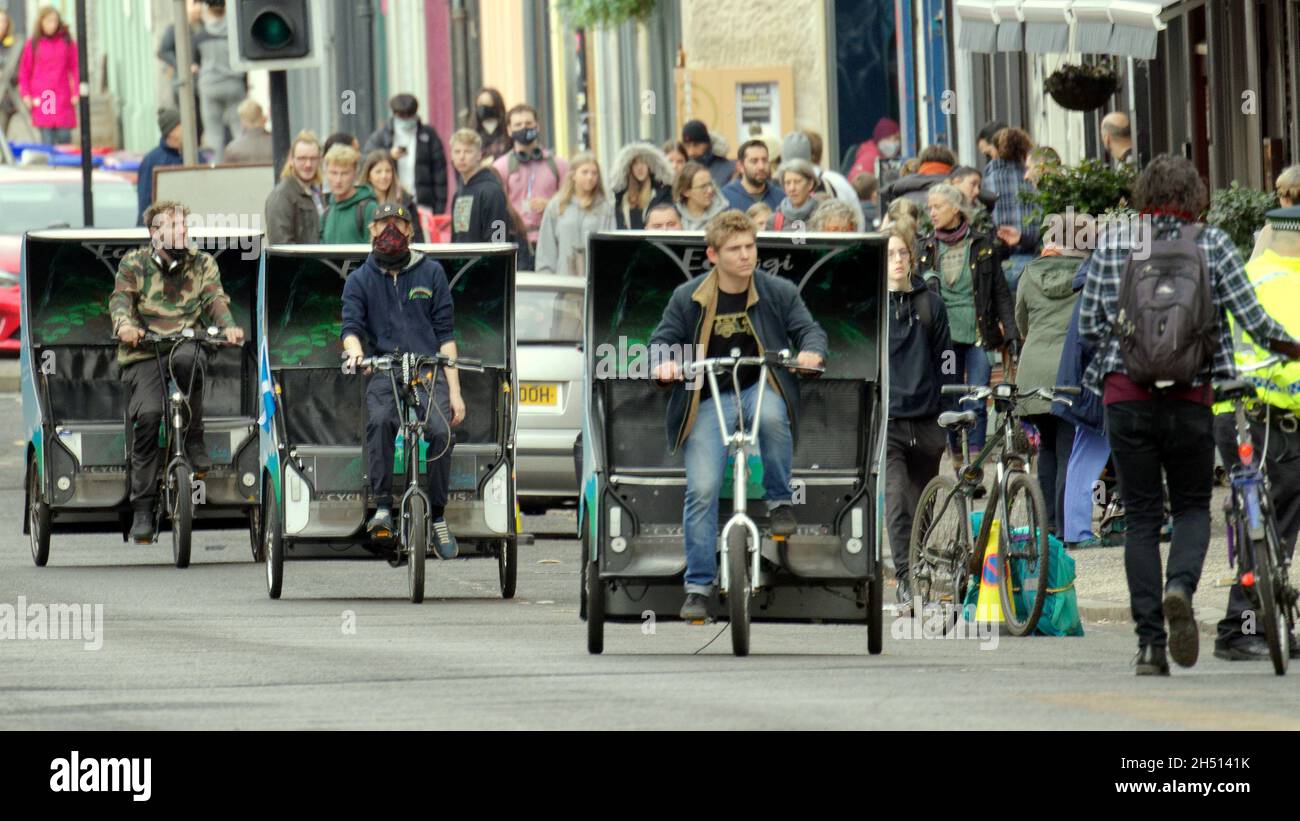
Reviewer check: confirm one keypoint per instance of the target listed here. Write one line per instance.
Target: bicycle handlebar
(781, 358)
(384, 362)
(1008, 391)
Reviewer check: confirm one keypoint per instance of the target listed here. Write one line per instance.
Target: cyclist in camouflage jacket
(164, 288)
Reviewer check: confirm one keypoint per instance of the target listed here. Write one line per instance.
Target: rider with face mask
(398, 301)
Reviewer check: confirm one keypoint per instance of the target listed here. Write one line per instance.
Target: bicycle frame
(739, 443)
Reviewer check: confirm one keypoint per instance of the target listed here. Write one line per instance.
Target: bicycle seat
(956, 420)
(1233, 389)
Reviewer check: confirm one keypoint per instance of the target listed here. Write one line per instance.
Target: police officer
(1274, 271)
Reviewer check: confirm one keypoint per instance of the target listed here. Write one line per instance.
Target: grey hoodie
(563, 237)
(213, 48)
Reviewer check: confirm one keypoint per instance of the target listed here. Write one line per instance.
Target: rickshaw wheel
(875, 612)
(739, 590)
(416, 543)
(182, 514)
(255, 534)
(38, 518)
(595, 610)
(272, 545)
(508, 566)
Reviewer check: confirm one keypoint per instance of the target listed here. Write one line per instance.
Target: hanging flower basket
(1082, 88)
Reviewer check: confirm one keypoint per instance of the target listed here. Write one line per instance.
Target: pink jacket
(48, 73)
(544, 184)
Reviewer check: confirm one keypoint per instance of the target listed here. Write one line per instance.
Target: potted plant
(1083, 87)
(1239, 211)
(1091, 187)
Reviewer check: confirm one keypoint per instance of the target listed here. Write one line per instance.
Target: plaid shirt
(1232, 292)
(1008, 181)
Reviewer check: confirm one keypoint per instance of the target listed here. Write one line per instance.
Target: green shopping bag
(1061, 608)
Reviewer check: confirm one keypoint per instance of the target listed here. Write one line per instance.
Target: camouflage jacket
(146, 297)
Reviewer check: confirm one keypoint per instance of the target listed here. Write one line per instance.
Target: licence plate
(539, 395)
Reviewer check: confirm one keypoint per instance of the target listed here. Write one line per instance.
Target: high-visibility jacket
(1277, 286)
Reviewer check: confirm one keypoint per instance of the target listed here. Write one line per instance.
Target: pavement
(205, 648)
(9, 375)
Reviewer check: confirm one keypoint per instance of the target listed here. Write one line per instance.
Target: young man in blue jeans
(732, 308)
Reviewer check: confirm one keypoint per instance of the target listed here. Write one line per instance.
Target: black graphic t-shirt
(731, 329)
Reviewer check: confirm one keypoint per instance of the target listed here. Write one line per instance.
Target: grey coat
(1044, 303)
(563, 237)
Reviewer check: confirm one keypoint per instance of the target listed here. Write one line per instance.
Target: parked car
(38, 197)
(548, 332)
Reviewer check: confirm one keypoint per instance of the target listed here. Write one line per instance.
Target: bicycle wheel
(38, 518)
(182, 513)
(1263, 556)
(738, 590)
(272, 544)
(936, 559)
(508, 566)
(415, 541)
(1022, 549)
(595, 608)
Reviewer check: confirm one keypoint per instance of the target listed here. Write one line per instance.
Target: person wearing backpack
(1156, 306)
(532, 174)
(918, 343)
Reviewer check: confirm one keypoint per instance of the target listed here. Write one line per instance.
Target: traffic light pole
(185, 59)
(279, 119)
(83, 115)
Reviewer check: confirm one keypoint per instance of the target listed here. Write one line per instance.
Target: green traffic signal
(271, 31)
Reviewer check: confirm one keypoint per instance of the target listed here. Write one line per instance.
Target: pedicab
(630, 512)
(75, 404)
(313, 417)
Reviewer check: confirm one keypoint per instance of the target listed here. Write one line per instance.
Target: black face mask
(524, 136)
(486, 112)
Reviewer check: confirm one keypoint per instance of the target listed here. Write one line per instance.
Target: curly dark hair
(1013, 145)
(1171, 182)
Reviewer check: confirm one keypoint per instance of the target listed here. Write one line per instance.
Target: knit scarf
(790, 214)
(952, 236)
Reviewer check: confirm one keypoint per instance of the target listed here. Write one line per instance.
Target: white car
(548, 330)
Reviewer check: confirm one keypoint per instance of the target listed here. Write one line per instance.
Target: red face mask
(392, 242)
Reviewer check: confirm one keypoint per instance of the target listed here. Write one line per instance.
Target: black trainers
(1184, 640)
(695, 608)
(1245, 648)
(1151, 661)
(142, 527)
(782, 520)
(199, 459)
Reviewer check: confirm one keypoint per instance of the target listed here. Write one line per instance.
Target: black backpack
(1167, 314)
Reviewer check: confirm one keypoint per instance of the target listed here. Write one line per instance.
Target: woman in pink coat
(48, 78)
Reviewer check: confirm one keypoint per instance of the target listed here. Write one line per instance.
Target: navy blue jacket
(411, 312)
(777, 314)
(1086, 409)
(161, 155)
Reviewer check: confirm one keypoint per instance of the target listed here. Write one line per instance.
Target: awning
(1125, 28)
(979, 26)
(1047, 25)
(1010, 31)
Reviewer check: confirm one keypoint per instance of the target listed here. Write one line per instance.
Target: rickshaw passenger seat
(84, 384)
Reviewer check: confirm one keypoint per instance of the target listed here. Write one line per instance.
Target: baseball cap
(392, 209)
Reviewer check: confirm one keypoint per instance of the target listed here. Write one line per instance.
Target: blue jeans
(706, 461)
(1087, 460)
(1013, 268)
(974, 370)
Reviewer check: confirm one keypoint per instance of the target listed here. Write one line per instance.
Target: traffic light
(274, 34)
